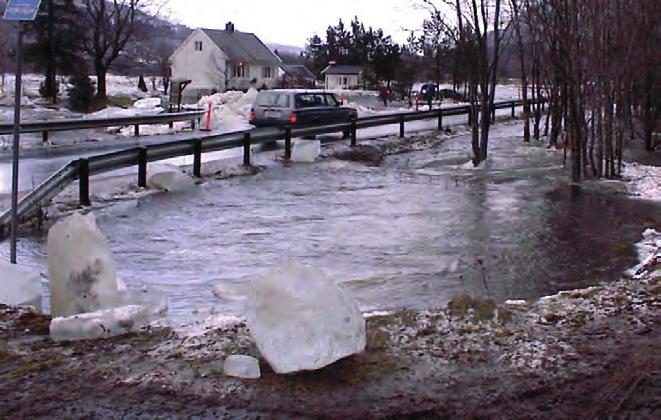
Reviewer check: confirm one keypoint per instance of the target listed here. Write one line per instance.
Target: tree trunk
(101, 72)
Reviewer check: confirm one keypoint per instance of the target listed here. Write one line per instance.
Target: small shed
(342, 76)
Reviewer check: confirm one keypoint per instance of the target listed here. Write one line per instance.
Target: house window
(198, 45)
(345, 82)
(266, 73)
(241, 70)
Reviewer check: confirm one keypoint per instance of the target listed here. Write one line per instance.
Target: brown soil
(599, 359)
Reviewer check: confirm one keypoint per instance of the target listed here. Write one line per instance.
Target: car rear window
(308, 100)
(273, 99)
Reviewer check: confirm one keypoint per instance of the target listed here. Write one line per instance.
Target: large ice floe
(301, 320)
(88, 301)
(20, 286)
(306, 151)
(169, 178)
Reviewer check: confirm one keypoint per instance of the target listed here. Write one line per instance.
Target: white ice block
(301, 320)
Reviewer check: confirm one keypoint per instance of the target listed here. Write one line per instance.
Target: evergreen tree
(371, 49)
(81, 93)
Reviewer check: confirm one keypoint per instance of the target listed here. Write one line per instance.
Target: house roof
(298, 71)
(342, 69)
(243, 46)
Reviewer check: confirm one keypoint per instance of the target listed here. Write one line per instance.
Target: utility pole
(18, 11)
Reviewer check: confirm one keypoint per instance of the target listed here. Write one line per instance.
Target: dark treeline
(596, 62)
(369, 48)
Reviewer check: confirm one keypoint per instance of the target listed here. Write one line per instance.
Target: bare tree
(111, 23)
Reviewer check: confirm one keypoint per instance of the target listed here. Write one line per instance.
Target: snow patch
(645, 180)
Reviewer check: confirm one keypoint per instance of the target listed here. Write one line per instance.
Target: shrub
(81, 93)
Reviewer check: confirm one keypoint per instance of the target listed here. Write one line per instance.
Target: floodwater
(413, 233)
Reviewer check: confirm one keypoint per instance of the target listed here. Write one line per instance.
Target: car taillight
(293, 119)
(253, 116)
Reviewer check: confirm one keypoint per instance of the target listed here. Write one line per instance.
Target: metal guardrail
(45, 127)
(83, 168)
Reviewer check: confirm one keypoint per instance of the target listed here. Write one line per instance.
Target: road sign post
(18, 11)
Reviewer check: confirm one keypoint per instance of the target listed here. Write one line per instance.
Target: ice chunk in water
(19, 286)
(169, 178)
(301, 320)
(82, 276)
(245, 367)
(81, 270)
(106, 323)
(306, 151)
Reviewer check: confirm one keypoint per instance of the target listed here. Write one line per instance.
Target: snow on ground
(116, 85)
(645, 181)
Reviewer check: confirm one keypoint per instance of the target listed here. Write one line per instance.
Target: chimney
(229, 27)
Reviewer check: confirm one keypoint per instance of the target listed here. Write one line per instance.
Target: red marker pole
(208, 124)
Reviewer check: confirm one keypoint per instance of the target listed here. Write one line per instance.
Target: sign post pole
(18, 11)
(17, 136)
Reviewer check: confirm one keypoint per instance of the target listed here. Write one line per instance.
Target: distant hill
(285, 49)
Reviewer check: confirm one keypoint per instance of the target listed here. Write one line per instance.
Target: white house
(340, 76)
(216, 60)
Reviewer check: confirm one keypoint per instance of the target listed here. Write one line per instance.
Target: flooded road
(413, 233)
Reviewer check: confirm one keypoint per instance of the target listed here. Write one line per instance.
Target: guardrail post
(192, 125)
(288, 143)
(137, 130)
(171, 125)
(401, 126)
(246, 149)
(44, 136)
(354, 137)
(513, 109)
(471, 109)
(197, 158)
(142, 167)
(84, 182)
(440, 119)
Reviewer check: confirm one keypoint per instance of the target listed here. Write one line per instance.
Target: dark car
(280, 108)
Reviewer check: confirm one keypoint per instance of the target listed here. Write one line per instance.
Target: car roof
(297, 91)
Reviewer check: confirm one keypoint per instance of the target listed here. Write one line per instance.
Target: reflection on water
(412, 233)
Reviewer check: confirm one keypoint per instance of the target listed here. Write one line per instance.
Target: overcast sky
(292, 22)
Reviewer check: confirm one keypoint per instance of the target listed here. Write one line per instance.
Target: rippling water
(414, 232)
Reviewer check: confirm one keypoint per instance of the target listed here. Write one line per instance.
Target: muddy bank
(587, 353)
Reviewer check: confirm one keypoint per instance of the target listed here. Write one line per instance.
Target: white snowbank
(148, 103)
(245, 367)
(168, 178)
(19, 286)
(301, 320)
(229, 111)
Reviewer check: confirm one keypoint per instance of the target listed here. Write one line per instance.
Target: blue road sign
(21, 9)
